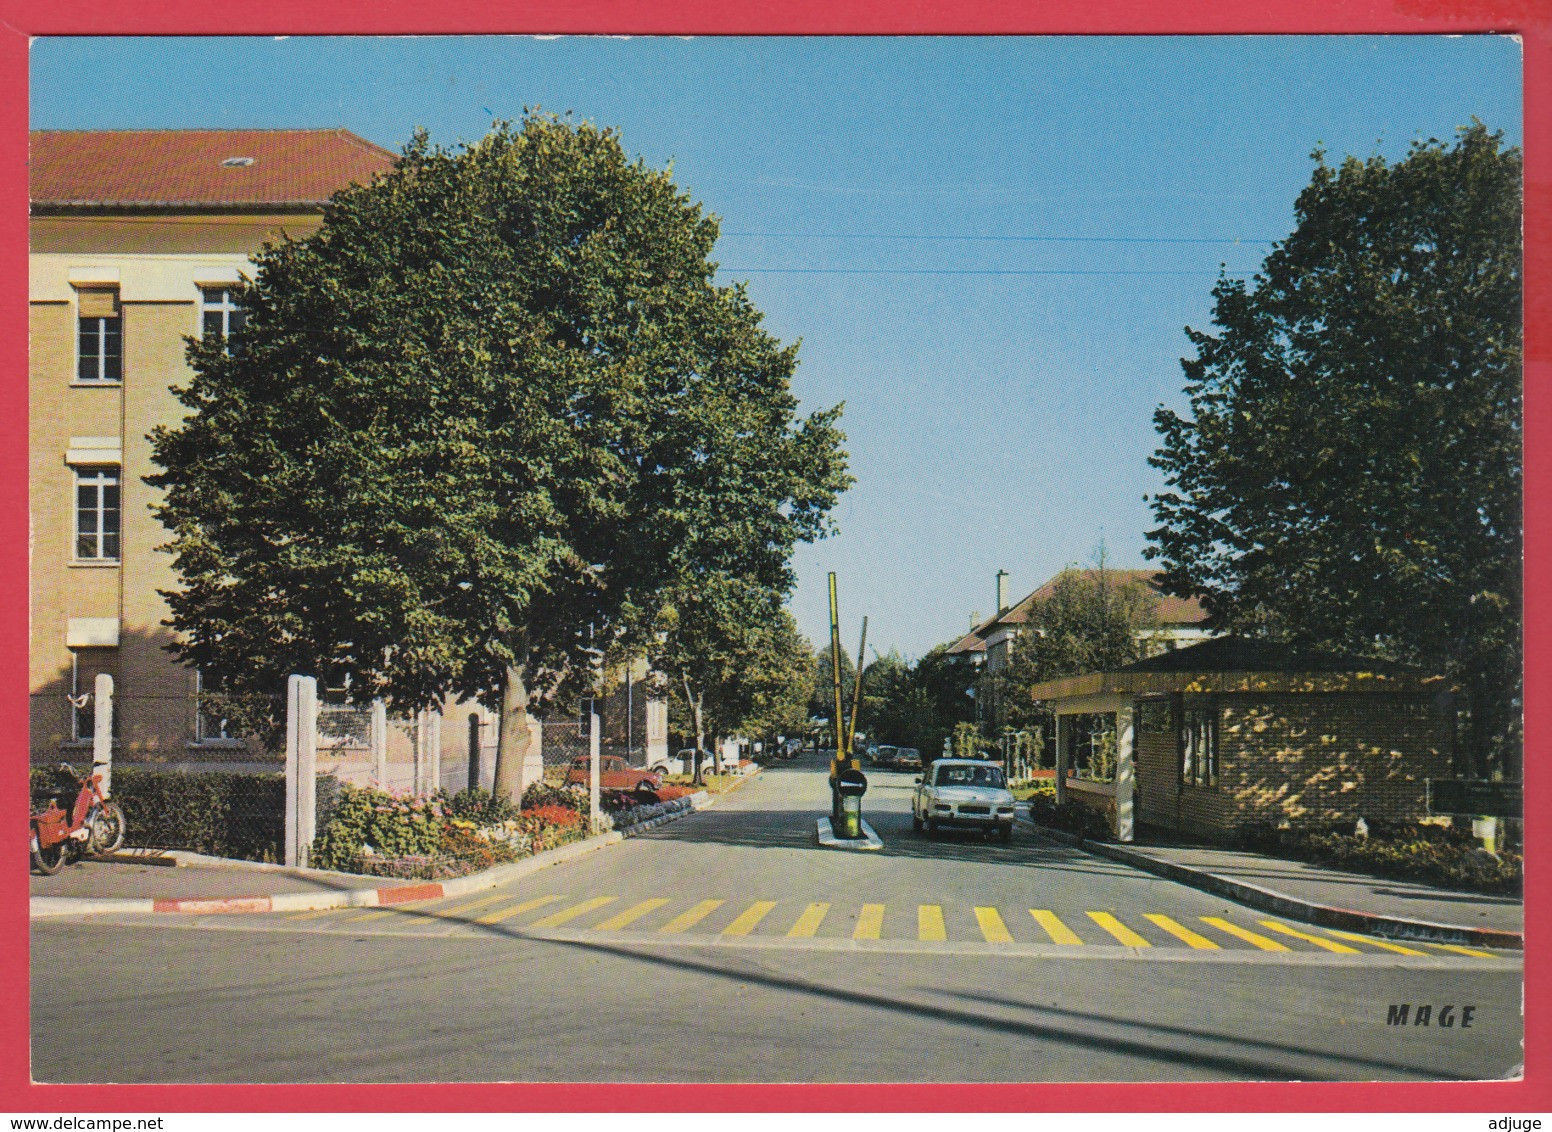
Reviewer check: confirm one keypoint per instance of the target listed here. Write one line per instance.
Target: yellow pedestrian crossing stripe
(934, 924)
(750, 919)
(993, 930)
(566, 915)
(870, 923)
(808, 923)
(1248, 936)
(689, 919)
(1318, 941)
(1116, 928)
(1381, 943)
(1058, 931)
(502, 914)
(1181, 932)
(630, 915)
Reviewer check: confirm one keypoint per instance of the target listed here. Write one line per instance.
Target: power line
(1021, 239)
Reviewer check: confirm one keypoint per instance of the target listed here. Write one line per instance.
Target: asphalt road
(728, 947)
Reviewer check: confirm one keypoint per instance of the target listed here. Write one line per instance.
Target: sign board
(1475, 798)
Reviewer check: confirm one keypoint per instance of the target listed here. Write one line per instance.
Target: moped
(92, 825)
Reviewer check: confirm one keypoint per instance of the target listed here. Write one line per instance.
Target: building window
(220, 315)
(209, 726)
(97, 514)
(1091, 753)
(1199, 746)
(100, 340)
(83, 701)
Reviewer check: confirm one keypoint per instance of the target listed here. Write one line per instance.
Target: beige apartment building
(137, 237)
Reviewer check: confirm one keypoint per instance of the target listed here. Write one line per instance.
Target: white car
(968, 793)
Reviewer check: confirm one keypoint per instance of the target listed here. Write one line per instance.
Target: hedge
(221, 813)
(1428, 854)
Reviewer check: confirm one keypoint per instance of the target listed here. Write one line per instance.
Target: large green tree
(482, 421)
(1349, 472)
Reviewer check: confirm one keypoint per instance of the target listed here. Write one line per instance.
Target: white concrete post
(379, 742)
(418, 766)
(1063, 729)
(102, 731)
(1126, 772)
(594, 744)
(433, 752)
(301, 767)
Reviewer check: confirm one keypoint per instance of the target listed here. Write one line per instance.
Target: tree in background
(733, 659)
(491, 414)
(1349, 473)
(821, 700)
(1093, 620)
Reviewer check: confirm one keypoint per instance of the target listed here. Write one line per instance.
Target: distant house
(1181, 621)
(1230, 732)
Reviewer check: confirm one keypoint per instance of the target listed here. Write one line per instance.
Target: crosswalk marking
(566, 915)
(870, 923)
(1058, 931)
(1372, 942)
(1458, 950)
(1181, 932)
(993, 930)
(1318, 941)
(929, 923)
(1116, 928)
(689, 919)
(502, 914)
(808, 923)
(1240, 933)
(449, 913)
(630, 915)
(750, 918)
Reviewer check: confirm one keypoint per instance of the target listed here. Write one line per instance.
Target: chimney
(1002, 592)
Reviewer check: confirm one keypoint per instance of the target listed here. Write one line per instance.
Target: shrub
(1427, 853)
(224, 814)
(1071, 817)
(479, 807)
(393, 826)
(545, 794)
(562, 816)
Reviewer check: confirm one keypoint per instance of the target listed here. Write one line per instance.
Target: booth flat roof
(1240, 664)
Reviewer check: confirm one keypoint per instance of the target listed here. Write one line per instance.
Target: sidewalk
(196, 884)
(1329, 897)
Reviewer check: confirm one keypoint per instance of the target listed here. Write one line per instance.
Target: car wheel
(1007, 833)
(916, 823)
(932, 828)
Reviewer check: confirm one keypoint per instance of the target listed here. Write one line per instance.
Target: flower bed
(1429, 854)
(377, 833)
(1069, 817)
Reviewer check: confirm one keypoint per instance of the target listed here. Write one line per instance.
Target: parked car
(968, 793)
(885, 755)
(907, 758)
(614, 773)
(684, 762)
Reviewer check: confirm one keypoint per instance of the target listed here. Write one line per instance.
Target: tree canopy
(495, 401)
(1349, 472)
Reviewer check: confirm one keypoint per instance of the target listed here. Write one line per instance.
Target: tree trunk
(700, 733)
(513, 741)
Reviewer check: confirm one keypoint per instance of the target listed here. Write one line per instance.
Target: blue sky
(988, 247)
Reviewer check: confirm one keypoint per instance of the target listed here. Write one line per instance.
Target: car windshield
(970, 776)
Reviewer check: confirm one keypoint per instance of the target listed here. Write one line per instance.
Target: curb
(827, 838)
(43, 907)
(1269, 900)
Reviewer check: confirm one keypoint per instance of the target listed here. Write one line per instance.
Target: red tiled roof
(971, 642)
(1172, 610)
(144, 168)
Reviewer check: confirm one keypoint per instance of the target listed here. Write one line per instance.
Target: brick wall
(1314, 759)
